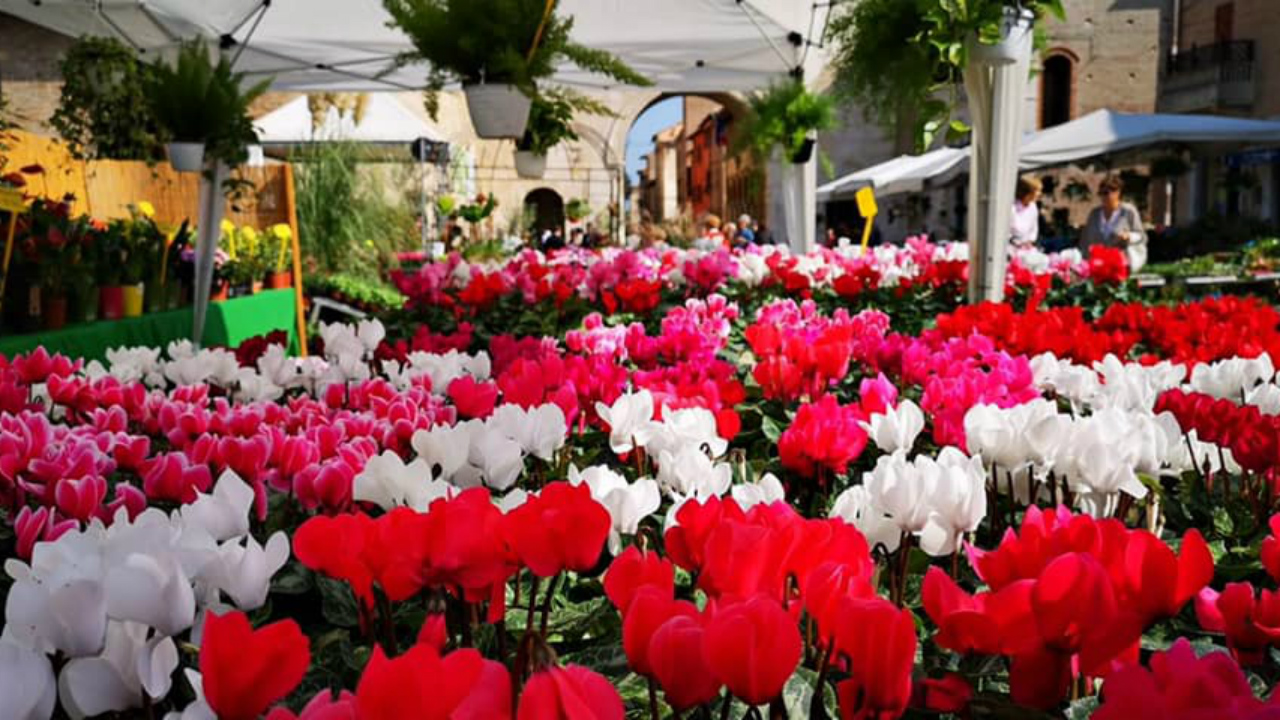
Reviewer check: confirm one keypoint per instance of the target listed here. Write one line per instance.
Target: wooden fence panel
(106, 188)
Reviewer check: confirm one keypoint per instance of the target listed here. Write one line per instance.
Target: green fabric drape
(228, 324)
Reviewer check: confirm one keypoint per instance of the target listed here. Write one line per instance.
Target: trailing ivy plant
(497, 41)
(102, 110)
(195, 101)
(904, 60)
(551, 118)
(786, 116)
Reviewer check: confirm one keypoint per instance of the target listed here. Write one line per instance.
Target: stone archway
(711, 179)
(547, 208)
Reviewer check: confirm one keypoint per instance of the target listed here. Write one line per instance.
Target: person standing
(1117, 224)
(746, 235)
(1024, 228)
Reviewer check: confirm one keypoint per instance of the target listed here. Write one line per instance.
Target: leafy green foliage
(785, 116)
(346, 221)
(361, 292)
(903, 59)
(193, 101)
(577, 210)
(496, 41)
(551, 118)
(103, 110)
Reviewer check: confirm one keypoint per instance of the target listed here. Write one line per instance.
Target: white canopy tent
(310, 45)
(1104, 132)
(905, 173)
(384, 120)
(1099, 133)
(682, 45)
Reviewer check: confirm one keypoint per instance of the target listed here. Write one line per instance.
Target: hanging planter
(530, 165)
(186, 156)
(497, 110)
(1014, 41)
(804, 153)
(500, 51)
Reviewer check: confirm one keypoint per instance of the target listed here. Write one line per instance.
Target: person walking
(1117, 224)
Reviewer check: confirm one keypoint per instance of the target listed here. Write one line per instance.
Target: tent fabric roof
(1106, 131)
(385, 120)
(1101, 132)
(682, 45)
(905, 173)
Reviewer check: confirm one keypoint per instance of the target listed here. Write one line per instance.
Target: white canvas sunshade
(905, 173)
(385, 120)
(1099, 133)
(682, 45)
(1106, 131)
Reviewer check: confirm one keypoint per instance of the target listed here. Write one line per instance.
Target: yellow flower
(228, 227)
(282, 231)
(147, 209)
(249, 234)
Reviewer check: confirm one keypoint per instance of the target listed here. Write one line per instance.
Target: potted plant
(477, 211)
(281, 274)
(550, 123)
(787, 116)
(904, 61)
(577, 210)
(52, 244)
(202, 109)
(498, 50)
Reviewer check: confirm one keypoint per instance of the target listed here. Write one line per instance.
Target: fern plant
(195, 101)
(785, 116)
(517, 42)
(551, 119)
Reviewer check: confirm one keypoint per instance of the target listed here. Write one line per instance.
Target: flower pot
(220, 291)
(111, 302)
(1015, 40)
(255, 287)
(805, 153)
(280, 280)
(133, 295)
(53, 310)
(174, 294)
(155, 297)
(530, 165)
(497, 110)
(87, 304)
(186, 156)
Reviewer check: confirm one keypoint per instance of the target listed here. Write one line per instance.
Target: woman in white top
(1117, 224)
(1024, 228)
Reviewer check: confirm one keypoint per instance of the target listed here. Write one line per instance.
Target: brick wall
(1257, 20)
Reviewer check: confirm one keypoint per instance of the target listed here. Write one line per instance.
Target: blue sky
(640, 140)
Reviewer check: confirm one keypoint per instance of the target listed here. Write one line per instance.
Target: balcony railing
(1210, 77)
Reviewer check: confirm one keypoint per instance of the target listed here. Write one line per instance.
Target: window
(1224, 21)
(1056, 90)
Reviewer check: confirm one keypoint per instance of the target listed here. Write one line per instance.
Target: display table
(228, 324)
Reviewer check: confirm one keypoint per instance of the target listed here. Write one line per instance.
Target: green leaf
(337, 603)
(293, 579)
(770, 428)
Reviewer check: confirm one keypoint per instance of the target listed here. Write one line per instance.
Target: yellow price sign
(866, 198)
(12, 201)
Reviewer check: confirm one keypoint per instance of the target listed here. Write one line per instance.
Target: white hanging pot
(186, 156)
(530, 165)
(497, 110)
(1015, 40)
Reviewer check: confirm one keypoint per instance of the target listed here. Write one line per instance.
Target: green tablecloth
(227, 323)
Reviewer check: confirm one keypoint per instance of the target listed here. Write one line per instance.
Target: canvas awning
(1104, 132)
(682, 45)
(905, 173)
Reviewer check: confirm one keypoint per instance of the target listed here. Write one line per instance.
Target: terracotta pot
(133, 295)
(220, 292)
(111, 302)
(53, 310)
(280, 280)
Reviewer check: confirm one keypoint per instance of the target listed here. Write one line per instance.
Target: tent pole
(208, 231)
